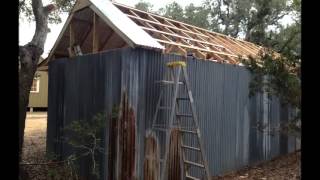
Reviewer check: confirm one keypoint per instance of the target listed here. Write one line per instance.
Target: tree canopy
(144, 6)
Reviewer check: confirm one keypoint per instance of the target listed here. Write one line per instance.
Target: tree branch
(288, 41)
(41, 17)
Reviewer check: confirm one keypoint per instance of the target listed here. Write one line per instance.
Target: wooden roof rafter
(167, 34)
(152, 30)
(214, 45)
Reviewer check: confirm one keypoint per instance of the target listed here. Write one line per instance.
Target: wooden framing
(106, 40)
(177, 37)
(205, 44)
(71, 40)
(95, 34)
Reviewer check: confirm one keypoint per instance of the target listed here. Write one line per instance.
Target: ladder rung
(185, 115)
(193, 163)
(189, 147)
(168, 82)
(191, 177)
(187, 131)
(164, 107)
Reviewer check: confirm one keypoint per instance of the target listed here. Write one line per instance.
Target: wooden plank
(200, 55)
(184, 24)
(153, 19)
(179, 36)
(106, 40)
(228, 45)
(71, 35)
(82, 20)
(194, 47)
(240, 47)
(168, 22)
(95, 34)
(71, 40)
(134, 17)
(134, 14)
(182, 32)
(115, 41)
(216, 47)
(198, 34)
(175, 50)
(90, 28)
(201, 37)
(247, 46)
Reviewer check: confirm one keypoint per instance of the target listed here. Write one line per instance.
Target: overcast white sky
(26, 29)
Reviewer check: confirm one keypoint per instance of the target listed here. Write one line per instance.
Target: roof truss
(187, 38)
(101, 33)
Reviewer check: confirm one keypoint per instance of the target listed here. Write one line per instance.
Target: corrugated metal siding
(227, 115)
(80, 88)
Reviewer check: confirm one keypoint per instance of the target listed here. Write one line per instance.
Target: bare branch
(41, 17)
(37, 8)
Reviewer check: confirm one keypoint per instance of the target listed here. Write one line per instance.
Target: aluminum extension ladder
(172, 78)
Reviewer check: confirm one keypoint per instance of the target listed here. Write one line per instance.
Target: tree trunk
(29, 55)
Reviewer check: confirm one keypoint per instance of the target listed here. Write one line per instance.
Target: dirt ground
(35, 134)
(34, 146)
(282, 168)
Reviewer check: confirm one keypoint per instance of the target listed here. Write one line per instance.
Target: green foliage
(287, 41)
(173, 11)
(281, 79)
(250, 18)
(191, 14)
(197, 15)
(83, 131)
(278, 77)
(144, 6)
(86, 137)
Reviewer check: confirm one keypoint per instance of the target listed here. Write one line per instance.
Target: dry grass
(34, 146)
(35, 137)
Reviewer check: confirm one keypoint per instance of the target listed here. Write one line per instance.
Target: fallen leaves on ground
(286, 167)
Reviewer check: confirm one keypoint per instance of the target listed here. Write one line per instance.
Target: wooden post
(95, 39)
(71, 40)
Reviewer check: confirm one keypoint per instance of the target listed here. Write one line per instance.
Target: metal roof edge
(123, 25)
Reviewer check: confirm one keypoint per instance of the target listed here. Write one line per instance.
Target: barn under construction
(109, 54)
